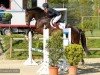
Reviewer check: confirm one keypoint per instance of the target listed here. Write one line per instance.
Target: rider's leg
(51, 23)
(56, 19)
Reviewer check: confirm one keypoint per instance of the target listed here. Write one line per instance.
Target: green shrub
(55, 46)
(74, 53)
(7, 16)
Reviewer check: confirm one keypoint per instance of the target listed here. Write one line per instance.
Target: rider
(51, 13)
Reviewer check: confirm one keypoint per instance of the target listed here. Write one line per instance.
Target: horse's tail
(83, 42)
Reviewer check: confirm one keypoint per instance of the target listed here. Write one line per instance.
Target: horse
(42, 21)
(35, 12)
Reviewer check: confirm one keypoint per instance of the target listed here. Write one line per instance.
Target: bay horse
(77, 35)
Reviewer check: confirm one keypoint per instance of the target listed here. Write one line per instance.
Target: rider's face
(46, 10)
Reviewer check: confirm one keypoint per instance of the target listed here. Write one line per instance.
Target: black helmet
(45, 5)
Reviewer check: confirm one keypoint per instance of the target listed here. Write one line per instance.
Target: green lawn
(93, 43)
(22, 55)
(94, 54)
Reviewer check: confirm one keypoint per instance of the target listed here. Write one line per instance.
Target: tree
(96, 9)
(29, 4)
(89, 25)
(58, 1)
(77, 9)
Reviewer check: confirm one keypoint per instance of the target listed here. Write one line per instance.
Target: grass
(94, 54)
(19, 44)
(23, 55)
(93, 43)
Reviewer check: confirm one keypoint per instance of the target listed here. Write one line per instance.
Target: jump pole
(30, 60)
(66, 37)
(44, 69)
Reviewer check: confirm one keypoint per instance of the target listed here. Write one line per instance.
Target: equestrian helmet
(45, 5)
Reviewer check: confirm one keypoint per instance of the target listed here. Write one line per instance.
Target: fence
(93, 38)
(12, 49)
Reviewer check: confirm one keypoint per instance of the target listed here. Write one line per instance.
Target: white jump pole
(66, 37)
(44, 69)
(30, 61)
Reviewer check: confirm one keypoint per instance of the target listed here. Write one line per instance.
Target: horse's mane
(38, 9)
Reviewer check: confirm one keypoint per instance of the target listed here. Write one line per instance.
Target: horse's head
(36, 13)
(28, 16)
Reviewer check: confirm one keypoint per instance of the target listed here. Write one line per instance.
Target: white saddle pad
(62, 25)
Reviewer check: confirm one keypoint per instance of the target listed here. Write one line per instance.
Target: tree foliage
(88, 25)
(58, 1)
(76, 9)
(55, 47)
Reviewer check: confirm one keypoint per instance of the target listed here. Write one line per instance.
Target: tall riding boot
(54, 24)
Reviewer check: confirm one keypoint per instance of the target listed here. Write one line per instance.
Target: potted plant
(73, 53)
(55, 48)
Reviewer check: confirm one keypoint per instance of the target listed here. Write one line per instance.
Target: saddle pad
(62, 25)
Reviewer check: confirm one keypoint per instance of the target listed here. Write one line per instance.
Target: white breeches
(55, 19)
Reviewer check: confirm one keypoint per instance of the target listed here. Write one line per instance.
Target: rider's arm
(51, 12)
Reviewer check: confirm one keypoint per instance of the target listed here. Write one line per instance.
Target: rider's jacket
(52, 13)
